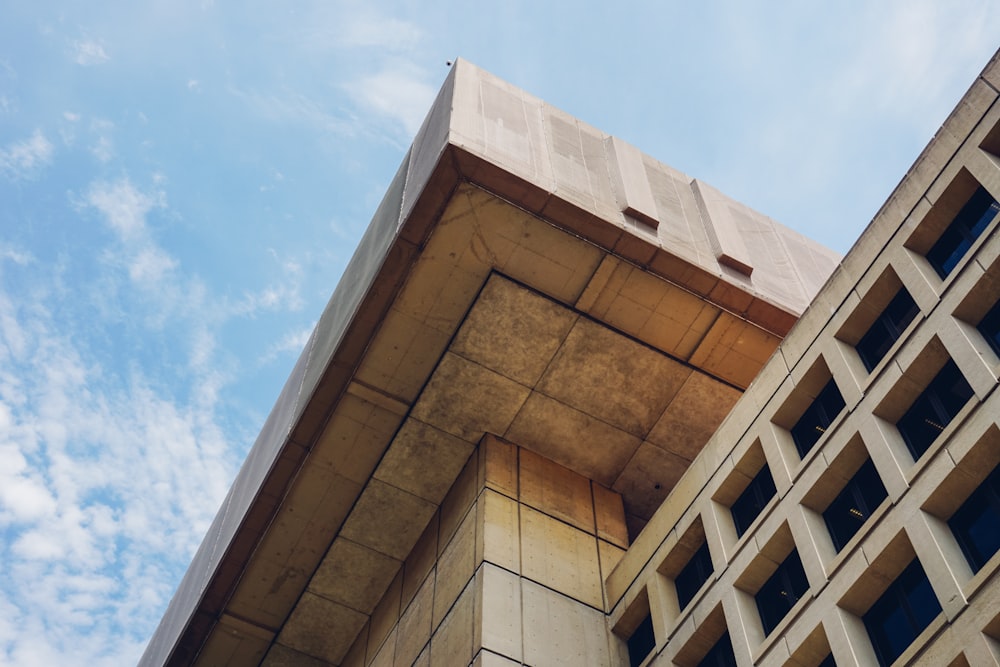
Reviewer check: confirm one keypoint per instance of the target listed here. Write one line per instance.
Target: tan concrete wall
(509, 571)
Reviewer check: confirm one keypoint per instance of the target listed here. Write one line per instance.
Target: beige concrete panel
(579, 163)
(648, 478)
(414, 629)
(402, 355)
(466, 399)
(455, 567)
(618, 381)
(560, 557)
(423, 461)
(420, 561)
(452, 642)
(321, 628)
(488, 659)
(572, 438)
(555, 490)
(387, 519)
(734, 350)
(513, 331)
(460, 499)
(609, 515)
(354, 575)
(609, 555)
(231, 647)
(282, 656)
(357, 654)
(561, 631)
(355, 438)
(385, 617)
(499, 465)
(693, 415)
(499, 612)
(499, 537)
(386, 656)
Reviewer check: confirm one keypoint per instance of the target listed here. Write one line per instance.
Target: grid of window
(852, 507)
(817, 418)
(753, 499)
(642, 642)
(781, 591)
(956, 240)
(720, 655)
(885, 330)
(690, 579)
(904, 610)
(976, 524)
(934, 409)
(989, 327)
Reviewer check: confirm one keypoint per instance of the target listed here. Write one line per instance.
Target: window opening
(887, 329)
(752, 501)
(861, 496)
(976, 524)
(934, 409)
(817, 418)
(904, 610)
(956, 240)
(694, 575)
(989, 327)
(781, 591)
(720, 655)
(641, 642)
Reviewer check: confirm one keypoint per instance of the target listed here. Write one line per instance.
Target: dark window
(752, 500)
(976, 523)
(934, 409)
(828, 661)
(780, 593)
(817, 418)
(885, 330)
(695, 573)
(989, 326)
(904, 610)
(641, 642)
(956, 240)
(720, 655)
(852, 507)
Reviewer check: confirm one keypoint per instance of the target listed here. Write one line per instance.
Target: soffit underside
(600, 366)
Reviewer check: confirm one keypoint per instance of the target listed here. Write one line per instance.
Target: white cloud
(123, 206)
(22, 159)
(88, 52)
(103, 149)
(292, 343)
(399, 92)
(387, 32)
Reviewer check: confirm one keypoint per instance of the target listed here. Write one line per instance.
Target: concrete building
(548, 418)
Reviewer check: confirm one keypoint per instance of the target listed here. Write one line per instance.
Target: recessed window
(976, 524)
(989, 327)
(720, 655)
(694, 575)
(886, 329)
(956, 240)
(904, 610)
(828, 661)
(817, 418)
(641, 642)
(852, 507)
(934, 409)
(780, 593)
(753, 499)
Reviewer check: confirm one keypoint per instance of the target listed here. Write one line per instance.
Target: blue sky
(183, 182)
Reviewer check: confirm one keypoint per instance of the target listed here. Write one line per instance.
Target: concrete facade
(552, 367)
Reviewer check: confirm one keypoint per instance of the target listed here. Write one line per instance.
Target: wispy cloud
(399, 92)
(23, 159)
(89, 52)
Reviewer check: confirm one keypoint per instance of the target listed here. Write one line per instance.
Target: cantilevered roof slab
(525, 276)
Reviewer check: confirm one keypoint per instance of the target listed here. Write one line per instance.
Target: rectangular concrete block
(561, 557)
(499, 537)
(498, 615)
(561, 631)
(555, 490)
